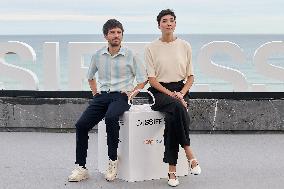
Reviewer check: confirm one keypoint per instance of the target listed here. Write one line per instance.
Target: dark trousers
(176, 121)
(106, 105)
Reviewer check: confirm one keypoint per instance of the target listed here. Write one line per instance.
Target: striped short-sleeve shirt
(117, 72)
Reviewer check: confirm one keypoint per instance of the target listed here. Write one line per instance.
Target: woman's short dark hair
(110, 24)
(164, 13)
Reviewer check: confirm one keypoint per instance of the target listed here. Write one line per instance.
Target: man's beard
(115, 44)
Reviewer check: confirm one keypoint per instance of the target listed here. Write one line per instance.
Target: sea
(249, 43)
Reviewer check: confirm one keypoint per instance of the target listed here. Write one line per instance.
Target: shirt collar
(122, 51)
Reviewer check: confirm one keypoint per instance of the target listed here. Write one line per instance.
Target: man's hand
(93, 86)
(95, 93)
(131, 94)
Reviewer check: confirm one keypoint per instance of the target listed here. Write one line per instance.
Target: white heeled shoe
(194, 170)
(173, 182)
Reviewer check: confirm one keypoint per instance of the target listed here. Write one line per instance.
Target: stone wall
(60, 114)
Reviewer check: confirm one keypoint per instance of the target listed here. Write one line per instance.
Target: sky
(139, 17)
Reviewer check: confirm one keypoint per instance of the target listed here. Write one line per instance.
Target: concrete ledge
(239, 115)
(209, 115)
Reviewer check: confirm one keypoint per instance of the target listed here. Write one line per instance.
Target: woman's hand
(183, 103)
(179, 96)
(172, 94)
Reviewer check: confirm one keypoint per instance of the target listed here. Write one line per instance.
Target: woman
(170, 74)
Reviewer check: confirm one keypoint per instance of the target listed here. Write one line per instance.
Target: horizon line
(147, 34)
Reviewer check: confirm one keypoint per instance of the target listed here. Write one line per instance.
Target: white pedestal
(141, 147)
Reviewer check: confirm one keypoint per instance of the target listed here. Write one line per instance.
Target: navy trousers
(106, 105)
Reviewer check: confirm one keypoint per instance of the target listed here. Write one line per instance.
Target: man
(116, 67)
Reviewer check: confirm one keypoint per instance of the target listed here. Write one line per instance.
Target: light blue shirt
(117, 73)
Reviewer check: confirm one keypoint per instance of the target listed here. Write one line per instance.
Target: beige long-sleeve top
(169, 62)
